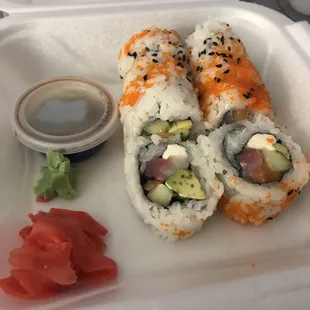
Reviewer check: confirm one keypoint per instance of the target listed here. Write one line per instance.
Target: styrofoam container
(224, 266)
(301, 6)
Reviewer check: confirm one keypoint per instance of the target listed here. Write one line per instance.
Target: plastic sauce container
(71, 115)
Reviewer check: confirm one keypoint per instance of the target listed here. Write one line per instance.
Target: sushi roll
(168, 184)
(158, 98)
(230, 87)
(172, 188)
(261, 167)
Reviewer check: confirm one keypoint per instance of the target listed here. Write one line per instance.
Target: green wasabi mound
(57, 178)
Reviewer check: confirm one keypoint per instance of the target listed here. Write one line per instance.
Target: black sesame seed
(215, 43)
(227, 25)
(225, 60)
(215, 78)
(219, 65)
(230, 56)
(179, 64)
(180, 52)
(121, 77)
(211, 53)
(155, 61)
(134, 55)
(224, 171)
(238, 60)
(226, 71)
(209, 38)
(184, 58)
(231, 38)
(252, 89)
(169, 42)
(190, 51)
(173, 56)
(145, 77)
(205, 41)
(299, 192)
(192, 185)
(222, 39)
(270, 218)
(217, 53)
(247, 96)
(290, 192)
(189, 79)
(239, 40)
(229, 48)
(179, 58)
(218, 80)
(155, 54)
(201, 68)
(198, 68)
(279, 141)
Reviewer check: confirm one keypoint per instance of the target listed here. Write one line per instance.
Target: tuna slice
(254, 169)
(160, 169)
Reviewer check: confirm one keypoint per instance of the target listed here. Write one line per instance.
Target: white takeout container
(224, 266)
(301, 6)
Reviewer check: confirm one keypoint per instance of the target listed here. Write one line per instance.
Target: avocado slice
(160, 194)
(157, 127)
(181, 127)
(283, 150)
(186, 185)
(276, 161)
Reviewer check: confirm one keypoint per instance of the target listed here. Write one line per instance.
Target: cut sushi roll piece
(169, 185)
(230, 87)
(151, 44)
(261, 167)
(166, 111)
(158, 98)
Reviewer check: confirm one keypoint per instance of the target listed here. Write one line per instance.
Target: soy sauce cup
(71, 115)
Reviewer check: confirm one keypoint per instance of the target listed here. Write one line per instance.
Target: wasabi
(58, 178)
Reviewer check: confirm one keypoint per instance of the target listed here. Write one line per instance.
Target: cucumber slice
(276, 161)
(181, 127)
(283, 150)
(161, 195)
(186, 184)
(157, 127)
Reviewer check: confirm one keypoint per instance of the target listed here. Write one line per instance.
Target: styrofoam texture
(22, 6)
(86, 43)
(301, 6)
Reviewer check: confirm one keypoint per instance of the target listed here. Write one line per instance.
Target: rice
(226, 79)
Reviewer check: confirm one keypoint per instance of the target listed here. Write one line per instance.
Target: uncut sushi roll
(171, 187)
(261, 167)
(158, 98)
(230, 87)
